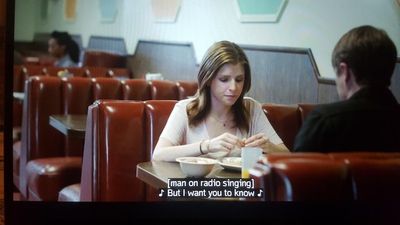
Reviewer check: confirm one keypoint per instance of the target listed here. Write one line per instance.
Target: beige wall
(311, 24)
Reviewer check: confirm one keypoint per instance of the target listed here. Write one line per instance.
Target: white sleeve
(260, 124)
(175, 128)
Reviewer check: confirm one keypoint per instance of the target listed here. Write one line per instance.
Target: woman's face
(227, 85)
(55, 49)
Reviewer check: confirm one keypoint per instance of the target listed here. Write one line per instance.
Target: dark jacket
(368, 121)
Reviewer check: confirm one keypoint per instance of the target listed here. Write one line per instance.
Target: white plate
(231, 163)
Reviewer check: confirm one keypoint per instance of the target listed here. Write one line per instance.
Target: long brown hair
(219, 54)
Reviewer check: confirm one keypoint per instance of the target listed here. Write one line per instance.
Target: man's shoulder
(352, 107)
(330, 109)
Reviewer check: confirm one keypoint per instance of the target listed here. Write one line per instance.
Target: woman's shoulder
(251, 103)
(182, 104)
(250, 100)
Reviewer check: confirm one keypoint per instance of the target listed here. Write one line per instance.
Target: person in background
(218, 121)
(368, 118)
(64, 49)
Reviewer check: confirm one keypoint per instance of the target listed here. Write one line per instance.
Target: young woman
(218, 121)
(64, 49)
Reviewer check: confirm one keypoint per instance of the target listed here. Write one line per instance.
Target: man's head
(364, 56)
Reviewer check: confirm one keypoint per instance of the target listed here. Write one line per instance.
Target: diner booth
(88, 133)
(91, 139)
(83, 137)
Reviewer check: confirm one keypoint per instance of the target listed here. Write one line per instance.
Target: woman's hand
(224, 142)
(260, 141)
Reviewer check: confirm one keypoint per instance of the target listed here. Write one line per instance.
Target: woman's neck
(220, 111)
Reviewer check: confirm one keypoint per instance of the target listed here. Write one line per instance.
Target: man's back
(368, 121)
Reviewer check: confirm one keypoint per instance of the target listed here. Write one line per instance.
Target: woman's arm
(166, 151)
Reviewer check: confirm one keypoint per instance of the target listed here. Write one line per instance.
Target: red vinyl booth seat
(310, 180)
(305, 109)
(186, 89)
(375, 180)
(44, 182)
(113, 146)
(163, 89)
(47, 95)
(285, 120)
(157, 114)
(97, 71)
(107, 152)
(120, 73)
(135, 89)
(364, 176)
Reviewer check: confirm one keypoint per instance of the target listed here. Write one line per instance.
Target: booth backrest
(38, 139)
(49, 95)
(285, 120)
(33, 70)
(310, 180)
(43, 99)
(76, 95)
(92, 71)
(106, 88)
(113, 147)
(342, 156)
(163, 89)
(305, 109)
(157, 114)
(75, 99)
(135, 89)
(364, 176)
(186, 88)
(375, 180)
(119, 73)
(273, 157)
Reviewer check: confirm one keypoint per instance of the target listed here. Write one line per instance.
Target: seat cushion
(47, 176)
(70, 193)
